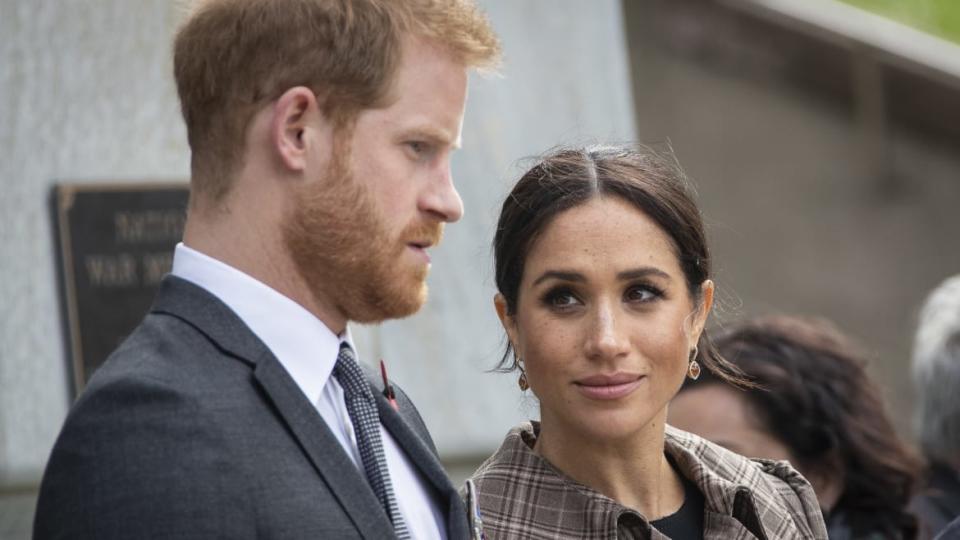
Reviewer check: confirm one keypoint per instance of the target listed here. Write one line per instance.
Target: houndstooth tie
(366, 427)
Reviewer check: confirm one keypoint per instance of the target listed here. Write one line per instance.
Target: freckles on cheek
(676, 341)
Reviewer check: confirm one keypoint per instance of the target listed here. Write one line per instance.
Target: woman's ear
(703, 309)
(506, 319)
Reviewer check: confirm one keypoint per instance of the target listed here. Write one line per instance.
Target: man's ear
(295, 113)
(507, 320)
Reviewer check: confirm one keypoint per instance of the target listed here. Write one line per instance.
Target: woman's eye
(561, 299)
(642, 294)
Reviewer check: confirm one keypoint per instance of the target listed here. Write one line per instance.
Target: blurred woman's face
(722, 415)
(604, 322)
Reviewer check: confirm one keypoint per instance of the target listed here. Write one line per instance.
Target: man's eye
(417, 147)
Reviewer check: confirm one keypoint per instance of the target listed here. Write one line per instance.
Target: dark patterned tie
(366, 426)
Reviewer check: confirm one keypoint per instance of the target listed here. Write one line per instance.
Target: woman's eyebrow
(626, 275)
(563, 275)
(642, 272)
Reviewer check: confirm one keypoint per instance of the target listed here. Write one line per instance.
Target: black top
(687, 522)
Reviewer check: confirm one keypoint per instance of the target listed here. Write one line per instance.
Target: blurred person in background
(603, 274)
(815, 406)
(936, 376)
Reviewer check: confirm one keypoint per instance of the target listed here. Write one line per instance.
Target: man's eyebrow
(562, 275)
(642, 272)
(436, 136)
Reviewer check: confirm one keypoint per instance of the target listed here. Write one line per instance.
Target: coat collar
(740, 502)
(744, 492)
(725, 486)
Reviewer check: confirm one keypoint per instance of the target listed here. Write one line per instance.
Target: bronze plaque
(116, 243)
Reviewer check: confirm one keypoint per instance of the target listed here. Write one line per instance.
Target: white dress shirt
(308, 350)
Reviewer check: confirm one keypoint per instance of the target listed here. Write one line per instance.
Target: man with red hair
(320, 134)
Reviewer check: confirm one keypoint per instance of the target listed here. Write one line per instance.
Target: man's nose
(441, 199)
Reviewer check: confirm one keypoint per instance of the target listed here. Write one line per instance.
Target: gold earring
(522, 381)
(693, 369)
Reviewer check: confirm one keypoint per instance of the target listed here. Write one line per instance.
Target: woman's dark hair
(565, 178)
(814, 395)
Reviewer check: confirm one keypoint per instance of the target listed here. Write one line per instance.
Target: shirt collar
(305, 346)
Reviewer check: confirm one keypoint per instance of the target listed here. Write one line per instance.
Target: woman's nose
(605, 339)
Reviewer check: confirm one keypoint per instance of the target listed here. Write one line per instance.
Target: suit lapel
(427, 463)
(214, 319)
(326, 454)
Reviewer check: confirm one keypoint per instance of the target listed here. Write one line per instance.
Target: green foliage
(938, 17)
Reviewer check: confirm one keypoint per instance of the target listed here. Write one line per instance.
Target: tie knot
(349, 374)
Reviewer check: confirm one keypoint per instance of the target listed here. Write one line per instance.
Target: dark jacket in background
(839, 528)
(938, 502)
(951, 531)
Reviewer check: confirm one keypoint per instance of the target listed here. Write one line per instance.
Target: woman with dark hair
(815, 406)
(604, 287)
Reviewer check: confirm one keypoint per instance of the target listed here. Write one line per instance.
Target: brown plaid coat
(522, 496)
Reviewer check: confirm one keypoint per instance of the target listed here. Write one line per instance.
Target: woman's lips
(607, 387)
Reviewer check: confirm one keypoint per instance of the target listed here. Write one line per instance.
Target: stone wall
(812, 209)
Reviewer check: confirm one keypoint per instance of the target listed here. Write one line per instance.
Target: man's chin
(396, 306)
(411, 303)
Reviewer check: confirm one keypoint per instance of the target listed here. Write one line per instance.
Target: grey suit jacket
(193, 429)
